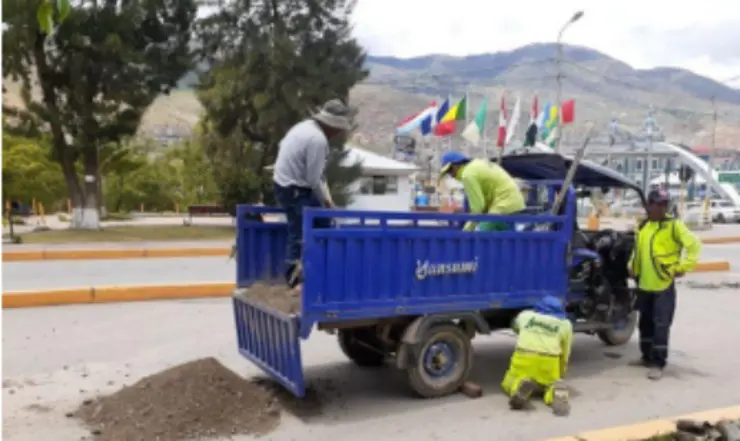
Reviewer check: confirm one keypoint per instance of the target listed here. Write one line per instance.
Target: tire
(357, 345)
(720, 219)
(440, 362)
(621, 333)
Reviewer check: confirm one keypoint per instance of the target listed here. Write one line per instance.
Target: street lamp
(577, 16)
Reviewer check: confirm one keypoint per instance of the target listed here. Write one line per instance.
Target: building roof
(373, 162)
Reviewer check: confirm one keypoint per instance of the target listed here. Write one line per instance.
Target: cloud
(702, 36)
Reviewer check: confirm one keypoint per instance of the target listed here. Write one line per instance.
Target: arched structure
(701, 168)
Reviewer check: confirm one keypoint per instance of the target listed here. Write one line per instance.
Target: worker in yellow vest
(489, 189)
(657, 260)
(540, 360)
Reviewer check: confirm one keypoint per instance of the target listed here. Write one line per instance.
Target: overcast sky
(703, 36)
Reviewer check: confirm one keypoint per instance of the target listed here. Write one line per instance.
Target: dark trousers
(293, 199)
(656, 316)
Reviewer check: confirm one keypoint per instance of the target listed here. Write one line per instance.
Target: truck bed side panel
(354, 273)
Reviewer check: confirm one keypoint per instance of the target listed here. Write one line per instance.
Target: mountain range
(603, 87)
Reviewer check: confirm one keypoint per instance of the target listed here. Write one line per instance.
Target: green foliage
(97, 72)
(160, 181)
(272, 63)
(29, 173)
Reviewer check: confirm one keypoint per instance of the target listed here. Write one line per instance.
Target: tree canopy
(270, 63)
(96, 73)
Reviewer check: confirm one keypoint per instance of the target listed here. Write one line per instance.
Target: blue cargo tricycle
(412, 288)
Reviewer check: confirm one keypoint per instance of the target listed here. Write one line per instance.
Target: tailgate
(270, 339)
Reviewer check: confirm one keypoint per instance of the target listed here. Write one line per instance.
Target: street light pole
(577, 16)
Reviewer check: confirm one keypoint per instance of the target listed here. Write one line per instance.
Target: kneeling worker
(540, 359)
(488, 187)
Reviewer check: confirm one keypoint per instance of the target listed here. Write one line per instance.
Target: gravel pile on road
(278, 297)
(197, 400)
(688, 430)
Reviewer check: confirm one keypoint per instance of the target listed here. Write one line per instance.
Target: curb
(110, 254)
(646, 430)
(133, 293)
(109, 294)
(711, 266)
(720, 240)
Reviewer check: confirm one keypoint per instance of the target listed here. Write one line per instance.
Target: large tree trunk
(85, 209)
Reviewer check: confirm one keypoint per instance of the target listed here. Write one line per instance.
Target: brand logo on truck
(425, 268)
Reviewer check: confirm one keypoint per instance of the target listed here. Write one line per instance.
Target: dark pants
(656, 317)
(293, 200)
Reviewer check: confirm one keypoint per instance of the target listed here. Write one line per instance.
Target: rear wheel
(362, 346)
(720, 219)
(620, 332)
(441, 361)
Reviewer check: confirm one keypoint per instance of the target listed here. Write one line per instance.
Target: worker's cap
(659, 196)
(449, 159)
(550, 305)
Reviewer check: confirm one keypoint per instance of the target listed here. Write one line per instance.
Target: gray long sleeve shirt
(301, 158)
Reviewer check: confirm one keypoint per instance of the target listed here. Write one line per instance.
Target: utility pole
(559, 61)
(710, 159)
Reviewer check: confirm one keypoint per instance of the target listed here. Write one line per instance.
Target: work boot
(655, 373)
(560, 400)
(520, 399)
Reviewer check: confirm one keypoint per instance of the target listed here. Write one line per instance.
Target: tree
(97, 72)
(29, 173)
(271, 63)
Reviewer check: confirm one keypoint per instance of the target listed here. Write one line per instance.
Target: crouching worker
(489, 189)
(540, 360)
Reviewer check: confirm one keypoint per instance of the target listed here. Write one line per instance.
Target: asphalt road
(55, 357)
(76, 273)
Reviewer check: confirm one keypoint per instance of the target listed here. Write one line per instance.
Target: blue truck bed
(382, 264)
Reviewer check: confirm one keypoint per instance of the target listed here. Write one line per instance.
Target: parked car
(720, 211)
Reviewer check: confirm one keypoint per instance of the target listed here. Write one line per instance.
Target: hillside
(604, 88)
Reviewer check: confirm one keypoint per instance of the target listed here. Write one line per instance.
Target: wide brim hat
(335, 114)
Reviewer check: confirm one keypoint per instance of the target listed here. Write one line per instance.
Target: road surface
(56, 357)
(79, 273)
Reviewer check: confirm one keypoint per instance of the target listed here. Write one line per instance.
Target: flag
(474, 130)
(552, 137)
(500, 141)
(568, 112)
(530, 138)
(515, 115)
(446, 125)
(431, 121)
(552, 118)
(413, 122)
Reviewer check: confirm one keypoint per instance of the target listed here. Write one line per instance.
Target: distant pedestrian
(298, 176)
(664, 250)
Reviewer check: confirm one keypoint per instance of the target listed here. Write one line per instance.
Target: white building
(385, 185)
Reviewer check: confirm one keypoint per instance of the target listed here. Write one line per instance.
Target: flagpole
(467, 111)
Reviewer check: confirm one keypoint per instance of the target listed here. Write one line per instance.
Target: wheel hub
(439, 359)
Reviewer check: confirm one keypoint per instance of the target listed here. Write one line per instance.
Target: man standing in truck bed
(655, 263)
(489, 189)
(298, 176)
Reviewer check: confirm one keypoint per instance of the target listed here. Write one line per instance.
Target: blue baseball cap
(550, 305)
(449, 159)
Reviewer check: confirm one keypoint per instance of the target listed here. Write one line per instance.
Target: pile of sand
(196, 400)
(278, 297)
